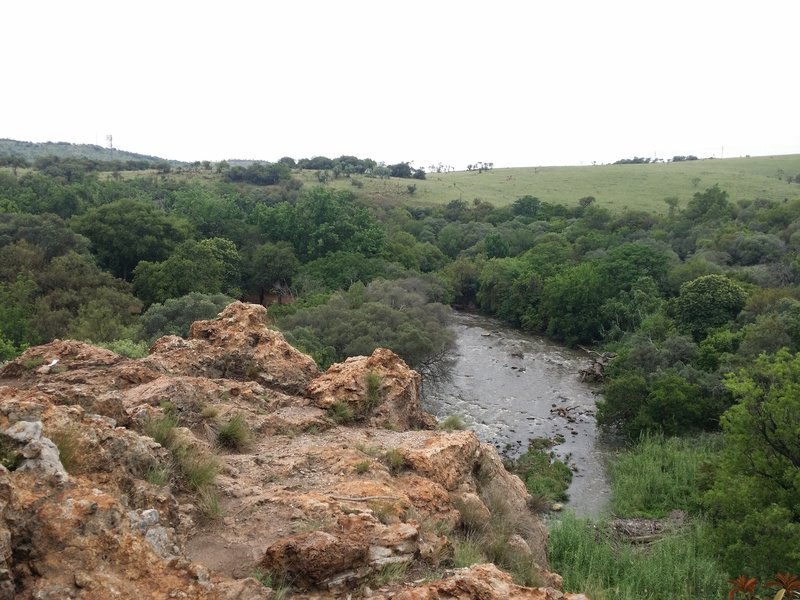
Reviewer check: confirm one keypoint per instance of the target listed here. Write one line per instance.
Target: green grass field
(640, 187)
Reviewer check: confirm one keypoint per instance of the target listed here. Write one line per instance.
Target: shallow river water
(510, 387)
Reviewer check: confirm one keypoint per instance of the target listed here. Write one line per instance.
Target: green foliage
(467, 551)
(755, 499)
(592, 561)
(10, 458)
(668, 403)
(209, 266)
(390, 314)
(707, 302)
(197, 469)
(159, 475)
(175, 315)
(162, 430)
(272, 266)
(546, 477)
(128, 348)
(235, 434)
(659, 475)
(395, 460)
(67, 440)
(374, 393)
(125, 232)
(452, 423)
(341, 413)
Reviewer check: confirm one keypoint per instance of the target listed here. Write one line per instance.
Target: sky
(515, 83)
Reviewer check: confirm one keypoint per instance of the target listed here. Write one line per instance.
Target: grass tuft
(340, 413)
(395, 460)
(235, 434)
(69, 448)
(452, 423)
(162, 430)
(374, 393)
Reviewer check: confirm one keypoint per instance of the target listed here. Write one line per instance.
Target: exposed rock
(380, 387)
(236, 345)
(484, 582)
(83, 516)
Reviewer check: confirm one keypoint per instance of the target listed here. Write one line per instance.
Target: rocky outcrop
(92, 506)
(236, 345)
(485, 582)
(380, 388)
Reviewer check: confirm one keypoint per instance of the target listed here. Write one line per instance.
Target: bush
(452, 423)
(394, 460)
(162, 430)
(545, 477)
(339, 412)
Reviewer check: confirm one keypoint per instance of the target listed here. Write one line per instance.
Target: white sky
(516, 83)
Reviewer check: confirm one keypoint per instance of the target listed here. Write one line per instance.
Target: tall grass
(660, 475)
(676, 567)
(650, 480)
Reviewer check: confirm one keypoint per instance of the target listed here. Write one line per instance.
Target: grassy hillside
(33, 150)
(614, 186)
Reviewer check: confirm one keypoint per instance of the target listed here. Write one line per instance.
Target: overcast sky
(516, 83)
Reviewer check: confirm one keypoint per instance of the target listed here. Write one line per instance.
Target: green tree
(208, 266)
(272, 266)
(707, 302)
(175, 316)
(754, 503)
(125, 232)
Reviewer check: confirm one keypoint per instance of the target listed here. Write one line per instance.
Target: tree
(707, 302)
(175, 316)
(754, 503)
(209, 266)
(526, 206)
(128, 231)
(272, 265)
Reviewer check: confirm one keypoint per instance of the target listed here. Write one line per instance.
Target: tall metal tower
(110, 140)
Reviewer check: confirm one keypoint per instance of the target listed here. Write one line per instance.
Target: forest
(699, 306)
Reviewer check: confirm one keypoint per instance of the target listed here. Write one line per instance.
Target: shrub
(546, 477)
(467, 551)
(394, 460)
(340, 413)
(208, 503)
(162, 430)
(235, 434)
(373, 394)
(159, 475)
(453, 422)
(197, 469)
(362, 467)
(124, 347)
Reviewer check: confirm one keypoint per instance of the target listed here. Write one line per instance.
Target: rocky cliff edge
(225, 466)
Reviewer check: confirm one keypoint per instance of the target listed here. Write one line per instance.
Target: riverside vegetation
(698, 297)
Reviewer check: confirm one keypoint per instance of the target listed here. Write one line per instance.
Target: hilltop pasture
(617, 187)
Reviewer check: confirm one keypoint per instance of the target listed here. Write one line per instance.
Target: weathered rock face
(91, 505)
(237, 345)
(380, 388)
(485, 582)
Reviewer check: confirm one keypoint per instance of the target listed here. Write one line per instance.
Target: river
(510, 387)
